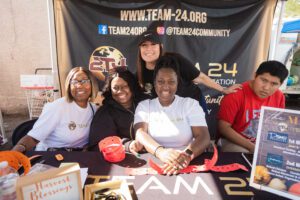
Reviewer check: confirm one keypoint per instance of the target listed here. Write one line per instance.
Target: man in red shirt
(239, 112)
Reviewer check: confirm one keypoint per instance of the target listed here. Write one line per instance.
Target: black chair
(22, 130)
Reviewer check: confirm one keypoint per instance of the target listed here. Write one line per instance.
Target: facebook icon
(102, 29)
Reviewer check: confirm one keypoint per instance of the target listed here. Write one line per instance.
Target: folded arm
(201, 140)
(198, 145)
(166, 155)
(230, 134)
(25, 143)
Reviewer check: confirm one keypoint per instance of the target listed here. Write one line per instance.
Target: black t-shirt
(186, 87)
(148, 81)
(188, 71)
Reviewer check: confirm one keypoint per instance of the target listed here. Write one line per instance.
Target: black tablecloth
(207, 185)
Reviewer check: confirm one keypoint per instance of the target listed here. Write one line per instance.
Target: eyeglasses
(81, 82)
(118, 88)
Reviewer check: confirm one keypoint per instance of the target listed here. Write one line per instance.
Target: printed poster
(276, 166)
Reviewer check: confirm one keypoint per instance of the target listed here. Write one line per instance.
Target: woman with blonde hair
(66, 121)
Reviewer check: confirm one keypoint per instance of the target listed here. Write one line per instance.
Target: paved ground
(10, 123)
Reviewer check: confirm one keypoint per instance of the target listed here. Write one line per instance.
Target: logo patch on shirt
(72, 125)
(148, 88)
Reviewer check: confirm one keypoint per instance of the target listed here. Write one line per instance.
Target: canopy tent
(227, 42)
(292, 58)
(291, 27)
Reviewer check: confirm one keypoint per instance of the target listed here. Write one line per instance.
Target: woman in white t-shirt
(66, 121)
(170, 127)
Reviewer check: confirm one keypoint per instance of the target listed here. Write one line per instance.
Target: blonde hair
(91, 77)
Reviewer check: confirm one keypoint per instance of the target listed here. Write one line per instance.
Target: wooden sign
(60, 183)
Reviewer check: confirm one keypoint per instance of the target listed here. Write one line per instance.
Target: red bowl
(112, 149)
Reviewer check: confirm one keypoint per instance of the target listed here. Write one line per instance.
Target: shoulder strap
(149, 111)
(92, 108)
(148, 116)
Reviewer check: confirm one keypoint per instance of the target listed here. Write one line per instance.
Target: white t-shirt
(62, 124)
(171, 126)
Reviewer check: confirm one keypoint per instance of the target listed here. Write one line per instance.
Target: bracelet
(128, 146)
(159, 146)
(22, 145)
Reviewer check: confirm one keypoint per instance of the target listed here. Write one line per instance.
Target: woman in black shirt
(151, 49)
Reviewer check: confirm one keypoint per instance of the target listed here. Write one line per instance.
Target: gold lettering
(212, 100)
(293, 120)
(228, 187)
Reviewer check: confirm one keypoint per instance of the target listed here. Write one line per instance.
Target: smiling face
(81, 88)
(264, 85)
(121, 92)
(150, 53)
(166, 85)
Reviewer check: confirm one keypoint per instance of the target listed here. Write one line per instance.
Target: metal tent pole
(278, 31)
(53, 48)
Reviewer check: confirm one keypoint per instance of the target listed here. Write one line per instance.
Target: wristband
(160, 146)
(127, 147)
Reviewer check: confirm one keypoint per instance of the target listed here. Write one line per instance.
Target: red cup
(112, 149)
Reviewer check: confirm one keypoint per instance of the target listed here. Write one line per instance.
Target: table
(207, 185)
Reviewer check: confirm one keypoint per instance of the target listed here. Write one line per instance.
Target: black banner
(224, 39)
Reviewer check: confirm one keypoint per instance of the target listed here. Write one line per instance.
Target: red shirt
(241, 107)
